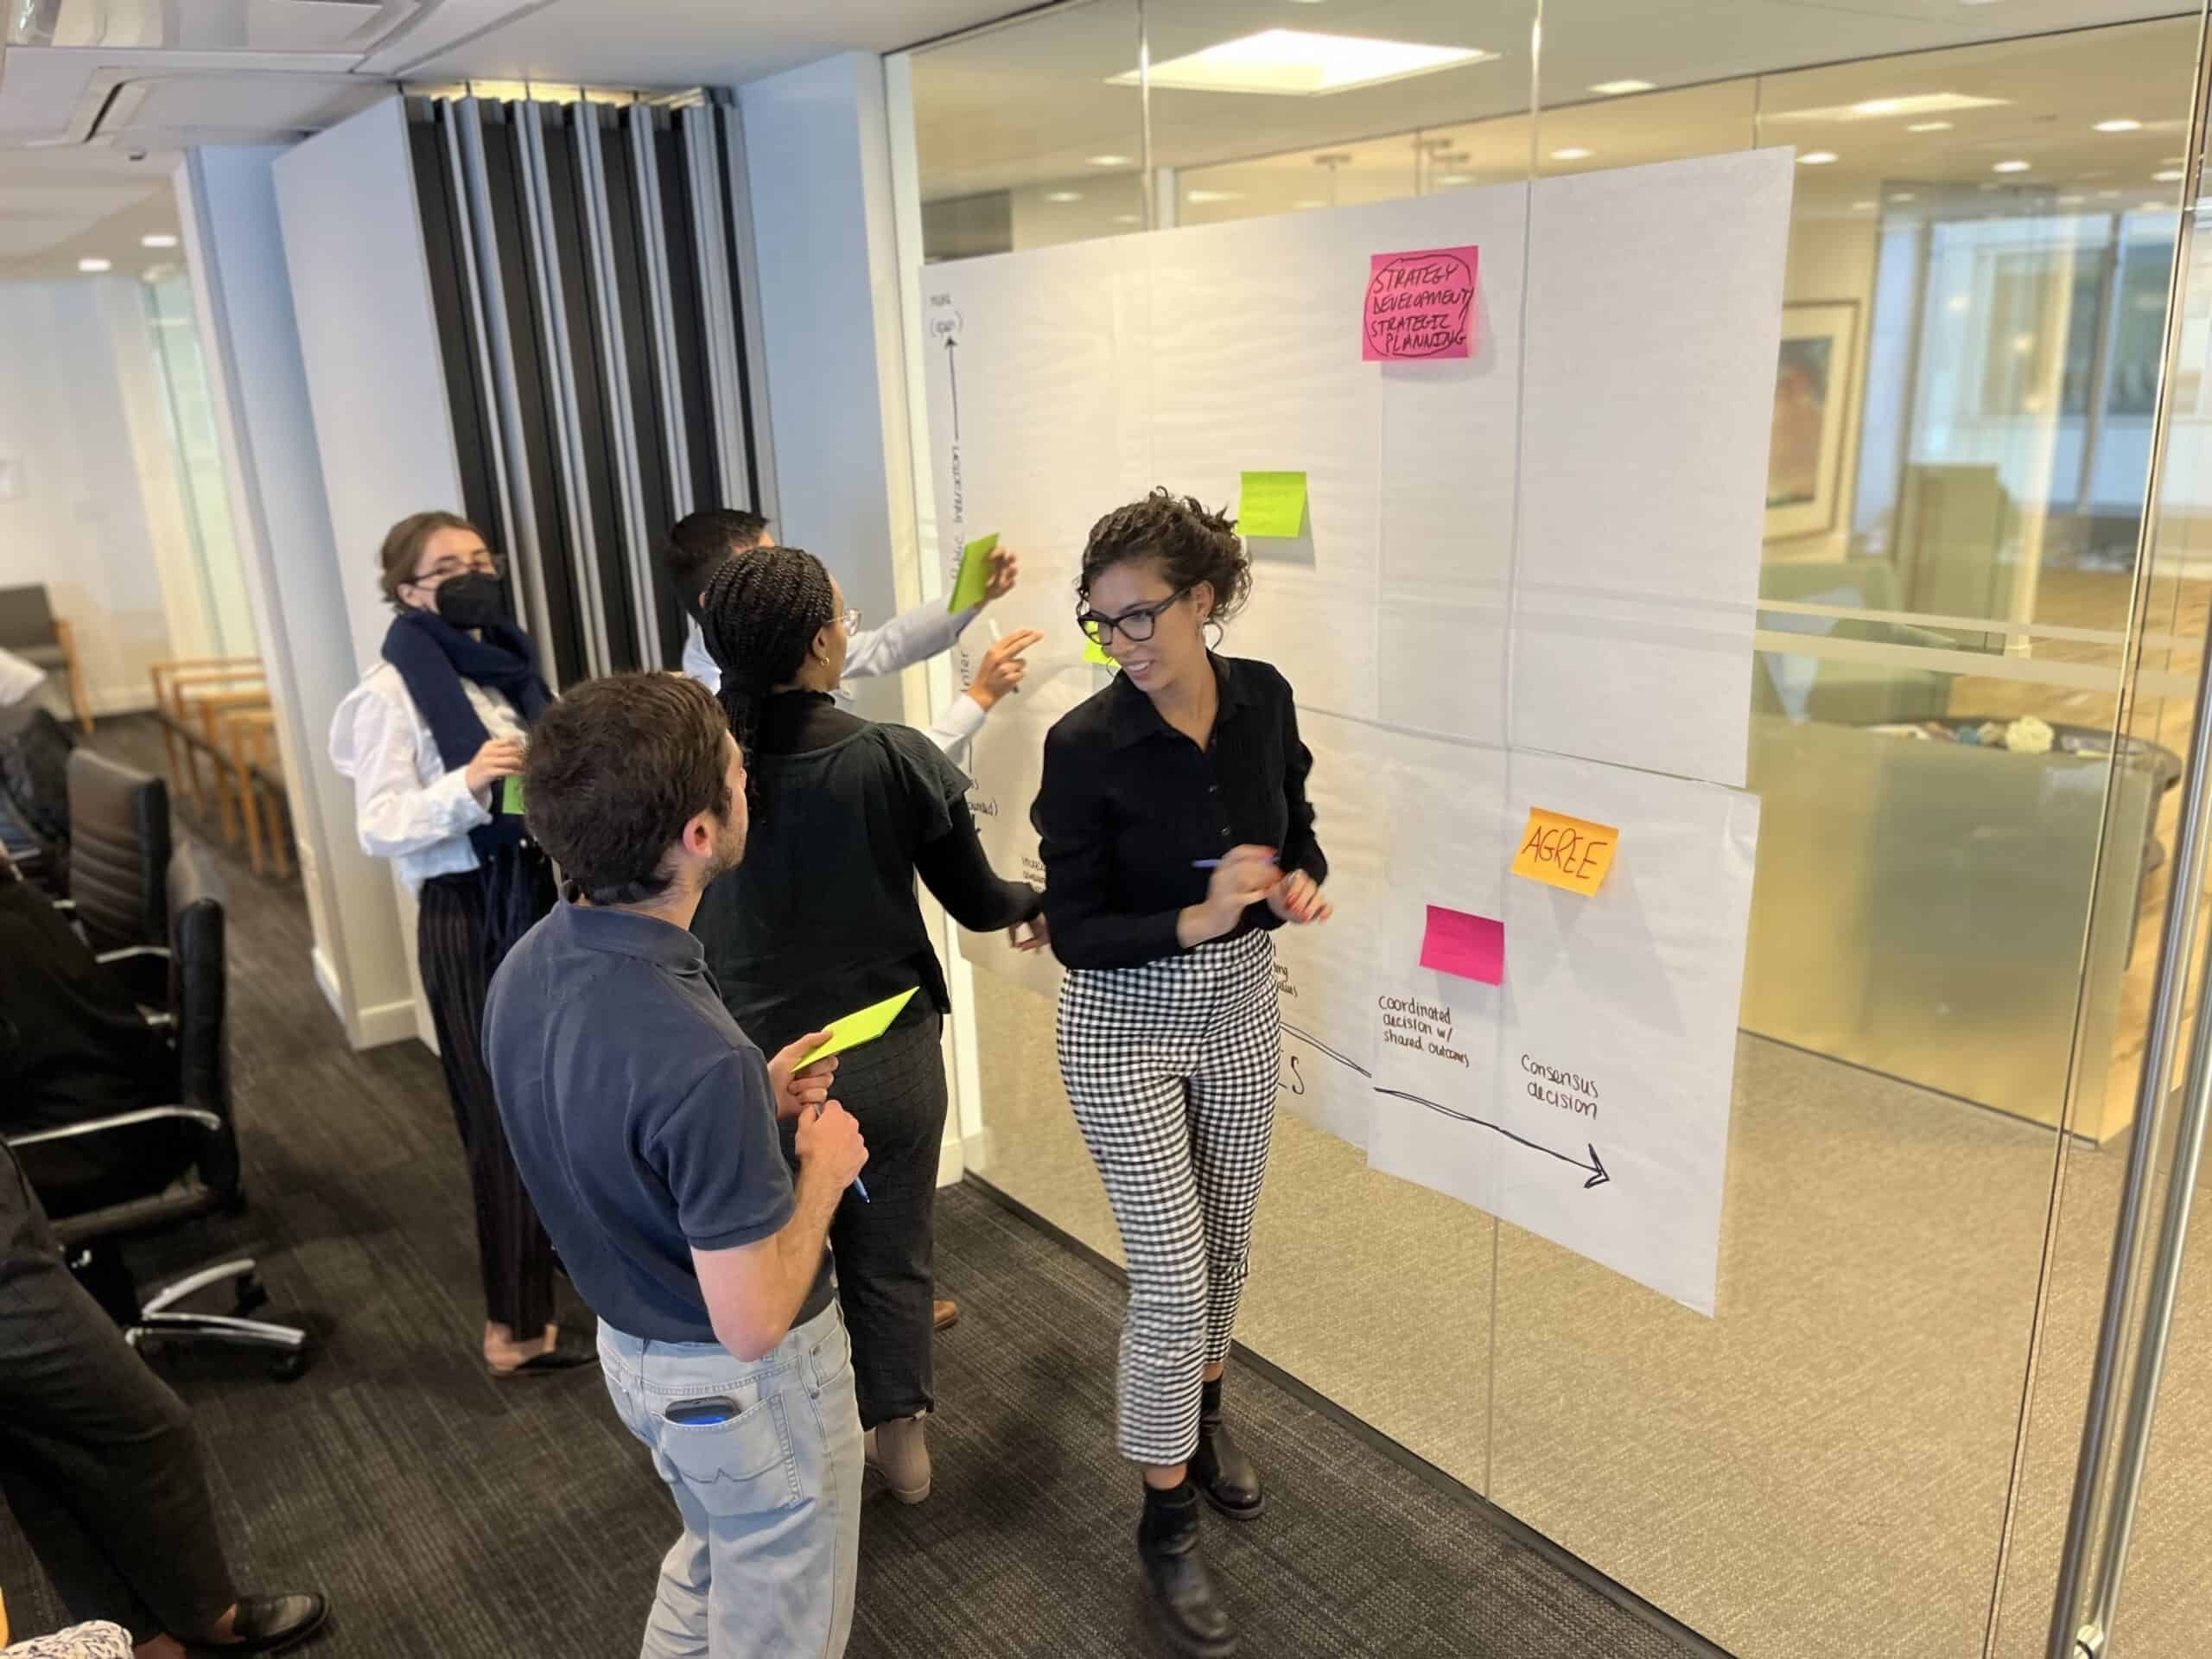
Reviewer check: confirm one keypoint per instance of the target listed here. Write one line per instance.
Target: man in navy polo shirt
(645, 1124)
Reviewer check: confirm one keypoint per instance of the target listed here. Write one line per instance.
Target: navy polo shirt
(640, 1115)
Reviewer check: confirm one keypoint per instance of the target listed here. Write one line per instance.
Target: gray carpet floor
(446, 1514)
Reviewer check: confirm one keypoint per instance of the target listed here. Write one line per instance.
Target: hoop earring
(1219, 633)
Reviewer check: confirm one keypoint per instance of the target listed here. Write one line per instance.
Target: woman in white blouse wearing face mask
(429, 737)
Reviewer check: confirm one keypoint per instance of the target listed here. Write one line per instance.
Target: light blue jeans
(770, 1493)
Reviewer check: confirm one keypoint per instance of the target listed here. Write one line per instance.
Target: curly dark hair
(1191, 544)
(763, 607)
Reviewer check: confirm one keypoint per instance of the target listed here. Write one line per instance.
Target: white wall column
(228, 200)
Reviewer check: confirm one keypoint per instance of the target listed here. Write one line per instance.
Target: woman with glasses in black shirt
(1176, 836)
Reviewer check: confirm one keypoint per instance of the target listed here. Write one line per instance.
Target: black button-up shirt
(1129, 806)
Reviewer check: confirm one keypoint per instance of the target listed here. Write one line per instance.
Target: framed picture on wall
(1812, 396)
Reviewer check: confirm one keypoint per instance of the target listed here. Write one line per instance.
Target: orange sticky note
(1563, 852)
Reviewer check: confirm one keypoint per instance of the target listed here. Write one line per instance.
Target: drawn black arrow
(1598, 1175)
(951, 367)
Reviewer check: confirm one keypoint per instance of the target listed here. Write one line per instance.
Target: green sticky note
(510, 796)
(974, 573)
(854, 1029)
(1271, 504)
(1095, 652)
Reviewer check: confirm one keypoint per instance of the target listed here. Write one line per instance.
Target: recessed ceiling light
(1929, 126)
(2012, 167)
(1571, 152)
(1957, 303)
(1064, 195)
(1450, 179)
(2121, 125)
(2107, 195)
(1126, 218)
(2071, 201)
(1862, 206)
(1621, 88)
(1110, 161)
(1309, 201)
(1296, 61)
(1816, 158)
(2171, 161)
(157, 240)
(1203, 197)
(1883, 109)
(1903, 195)
(2171, 176)
(94, 267)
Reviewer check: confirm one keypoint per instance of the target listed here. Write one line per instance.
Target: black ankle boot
(1176, 1582)
(1222, 1472)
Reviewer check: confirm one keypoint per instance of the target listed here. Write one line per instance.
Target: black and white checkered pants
(1171, 1069)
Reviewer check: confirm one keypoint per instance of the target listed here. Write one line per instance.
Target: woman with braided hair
(822, 919)
(1176, 836)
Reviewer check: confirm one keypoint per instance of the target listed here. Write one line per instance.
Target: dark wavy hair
(763, 607)
(614, 771)
(1191, 545)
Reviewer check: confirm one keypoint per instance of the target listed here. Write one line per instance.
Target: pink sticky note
(1473, 947)
(1419, 306)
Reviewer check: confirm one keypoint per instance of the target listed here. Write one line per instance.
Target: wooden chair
(257, 775)
(29, 628)
(179, 689)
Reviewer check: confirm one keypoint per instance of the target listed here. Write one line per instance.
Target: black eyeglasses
(491, 564)
(1134, 625)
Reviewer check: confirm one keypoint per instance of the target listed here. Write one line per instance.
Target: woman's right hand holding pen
(1245, 877)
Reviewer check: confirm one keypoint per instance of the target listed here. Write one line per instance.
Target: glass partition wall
(1972, 702)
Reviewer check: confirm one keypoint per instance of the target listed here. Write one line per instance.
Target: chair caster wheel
(291, 1369)
(252, 1294)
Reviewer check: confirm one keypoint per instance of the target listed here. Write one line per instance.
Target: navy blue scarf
(434, 658)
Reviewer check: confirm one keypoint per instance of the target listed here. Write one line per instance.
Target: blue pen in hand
(1215, 863)
(857, 1182)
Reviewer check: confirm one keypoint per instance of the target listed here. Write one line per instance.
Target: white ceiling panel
(29, 233)
(684, 42)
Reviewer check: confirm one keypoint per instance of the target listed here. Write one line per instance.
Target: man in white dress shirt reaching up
(700, 543)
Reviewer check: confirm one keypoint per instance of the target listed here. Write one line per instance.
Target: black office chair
(118, 868)
(168, 1165)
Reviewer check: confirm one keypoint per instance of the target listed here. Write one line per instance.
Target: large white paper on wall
(1652, 341)
(1522, 575)
(1619, 1036)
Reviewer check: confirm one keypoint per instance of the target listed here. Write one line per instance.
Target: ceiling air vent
(273, 26)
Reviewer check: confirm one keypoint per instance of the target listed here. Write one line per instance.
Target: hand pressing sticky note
(870, 1023)
(1564, 852)
(974, 578)
(1271, 504)
(511, 796)
(1095, 652)
(1473, 947)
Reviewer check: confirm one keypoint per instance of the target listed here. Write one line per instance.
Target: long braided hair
(763, 608)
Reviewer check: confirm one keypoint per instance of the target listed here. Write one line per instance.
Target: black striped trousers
(514, 1254)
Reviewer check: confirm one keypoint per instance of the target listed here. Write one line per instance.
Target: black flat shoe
(563, 1356)
(1178, 1588)
(1228, 1479)
(270, 1623)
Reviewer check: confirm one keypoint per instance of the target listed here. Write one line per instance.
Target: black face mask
(471, 600)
